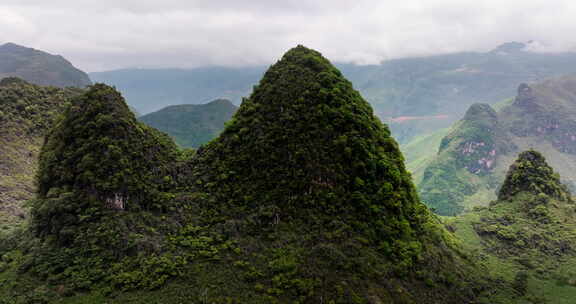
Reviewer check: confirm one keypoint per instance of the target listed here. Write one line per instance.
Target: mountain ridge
(192, 125)
(541, 116)
(39, 67)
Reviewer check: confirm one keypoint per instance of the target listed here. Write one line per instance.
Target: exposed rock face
(39, 67)
(473, 145)
(541, 116)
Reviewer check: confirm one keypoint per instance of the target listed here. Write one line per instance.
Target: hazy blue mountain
(413, 95)
(39, 67)
(150, 90)
(192, 125)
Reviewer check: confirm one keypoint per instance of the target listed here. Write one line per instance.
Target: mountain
(413, 95)
(150, 90)
(527, 235)
(313, 187)
(26, 112)
(192, 125)
(303, 198)
(472, 159)
(39, 67)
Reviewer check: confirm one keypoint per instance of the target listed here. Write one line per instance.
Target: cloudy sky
(102, 34)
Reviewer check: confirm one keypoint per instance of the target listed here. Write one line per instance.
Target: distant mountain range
(192, 125)
(473, 157)
(414, 95)
(39, 67)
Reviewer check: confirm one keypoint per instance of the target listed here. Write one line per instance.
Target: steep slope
(303, 198)
(528, 234)
(192, 125)
(466, 158)
(98, 159)
(26, 112)
(542, 116)
(313, 189)
(413, 95)
(39, 67)
(101, 206)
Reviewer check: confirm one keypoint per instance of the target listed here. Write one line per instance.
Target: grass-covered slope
(192, 125)
(527, 236)
(303, 198)
(26, 113)
(39, 67)
(420, 151)
(542, 116)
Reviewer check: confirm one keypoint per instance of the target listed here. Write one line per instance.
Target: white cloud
(98, 35)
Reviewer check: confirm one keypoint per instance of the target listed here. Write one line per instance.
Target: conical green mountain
(530, 173)
(527, 236)
(306, 140)
(313, 189)
(466, 155)
(98, 159)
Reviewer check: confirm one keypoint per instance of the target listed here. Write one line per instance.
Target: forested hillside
(192, 125)
(473, 158)
(303, 198)
(27, 112)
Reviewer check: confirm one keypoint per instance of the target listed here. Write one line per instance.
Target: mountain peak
(305, 141)
(39, 67)
(480, 111)
(531, 173)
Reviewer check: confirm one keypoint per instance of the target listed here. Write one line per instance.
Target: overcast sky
(102, 34)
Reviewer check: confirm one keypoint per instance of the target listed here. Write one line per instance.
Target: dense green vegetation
(304, 198)
(39, 67)
(473, 157)
(465, 157)
(527, 236)
(192, 125)
(26, 112)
